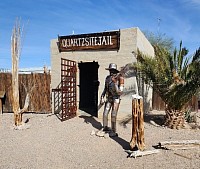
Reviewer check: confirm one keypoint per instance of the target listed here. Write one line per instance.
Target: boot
(106, 129)
(113, 131)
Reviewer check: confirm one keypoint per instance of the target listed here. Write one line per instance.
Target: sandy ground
(52, 144)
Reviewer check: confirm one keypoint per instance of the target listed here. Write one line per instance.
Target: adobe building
(78, 72)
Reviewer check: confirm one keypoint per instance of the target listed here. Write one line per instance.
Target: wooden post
(1, 106)
(2, 96)
(137, 139)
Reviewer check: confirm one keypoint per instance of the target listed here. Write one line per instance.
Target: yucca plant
(175, 77)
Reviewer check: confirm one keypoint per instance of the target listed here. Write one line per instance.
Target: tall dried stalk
(16, 51)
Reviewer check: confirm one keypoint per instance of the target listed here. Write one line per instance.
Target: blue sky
(43, 20)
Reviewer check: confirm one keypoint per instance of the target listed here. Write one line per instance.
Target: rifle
(126, 71)
(100, 105)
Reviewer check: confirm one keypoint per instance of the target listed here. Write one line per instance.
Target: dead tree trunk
(16, 50)
(137, 139)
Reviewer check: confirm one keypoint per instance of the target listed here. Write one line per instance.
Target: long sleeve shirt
(113, 90)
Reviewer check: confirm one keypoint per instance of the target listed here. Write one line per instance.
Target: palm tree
(175, 77)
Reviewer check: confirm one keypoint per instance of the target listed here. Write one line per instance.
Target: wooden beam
(139, 153)
(180, 144)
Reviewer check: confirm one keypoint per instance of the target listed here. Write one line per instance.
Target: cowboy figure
(114, 85)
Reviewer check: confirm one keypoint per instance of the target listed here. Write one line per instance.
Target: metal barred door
(68, 89)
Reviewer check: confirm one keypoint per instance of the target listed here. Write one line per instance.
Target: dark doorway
(88, 90)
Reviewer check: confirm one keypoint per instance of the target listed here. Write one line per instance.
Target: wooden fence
(40, 96)
(158, 104)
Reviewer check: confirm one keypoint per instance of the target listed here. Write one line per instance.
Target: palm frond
(196, 56)
(174, 77)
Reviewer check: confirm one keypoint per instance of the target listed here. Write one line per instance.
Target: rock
(100, 133)
(153, 123)
(106, 135)
(92, 133)
(23, 126)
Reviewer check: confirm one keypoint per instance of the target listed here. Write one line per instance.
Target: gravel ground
(52, 144)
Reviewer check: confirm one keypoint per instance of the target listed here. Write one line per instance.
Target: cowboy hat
(112, 66)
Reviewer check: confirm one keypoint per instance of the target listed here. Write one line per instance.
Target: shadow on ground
(157, 118)
(97, 125)
(90, 119)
